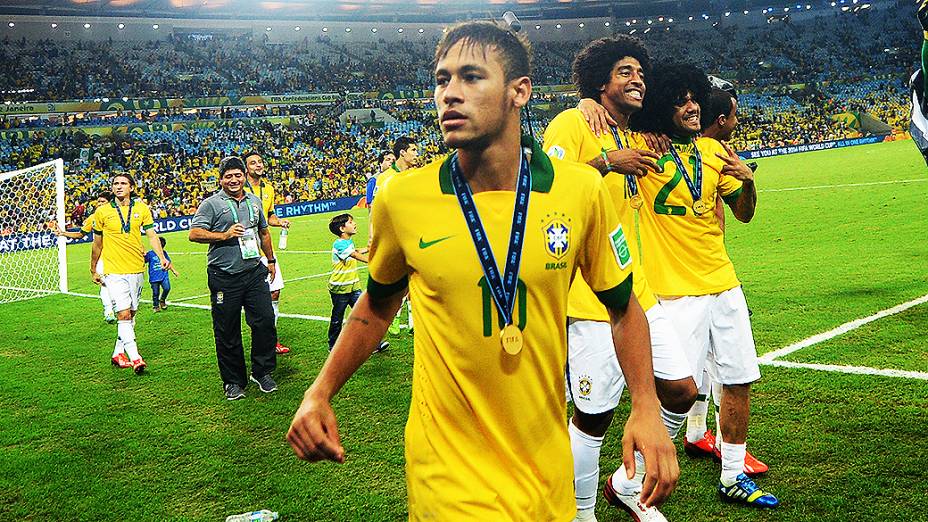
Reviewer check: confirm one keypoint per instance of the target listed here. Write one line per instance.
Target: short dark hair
(231, 163)
(514, 48)
(383, 154)
(163, 241)
(593, 65)
(252, 152)
(719, 103)
(107, 195)
(125, 175)
(337, 222)
(402, 143)
(668, 87)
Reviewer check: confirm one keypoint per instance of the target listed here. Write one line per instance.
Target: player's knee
(676, 396)
(124, 315)
(594, 424)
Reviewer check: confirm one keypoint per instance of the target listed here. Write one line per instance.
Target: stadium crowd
(789, 95)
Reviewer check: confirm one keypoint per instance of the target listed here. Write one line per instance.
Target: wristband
(269, 261)
(606, 161)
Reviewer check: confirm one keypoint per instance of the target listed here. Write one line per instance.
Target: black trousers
(339, 303)
(230, 293)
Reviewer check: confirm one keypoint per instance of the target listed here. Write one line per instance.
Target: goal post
(33, 261)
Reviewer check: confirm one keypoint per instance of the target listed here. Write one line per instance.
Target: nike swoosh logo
(425, 244)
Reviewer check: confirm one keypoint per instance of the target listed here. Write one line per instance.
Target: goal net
(32, 259)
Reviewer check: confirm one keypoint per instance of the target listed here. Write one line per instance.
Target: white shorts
(278, 281)
(594, 376)
(716, 327)
(99, 268)
(124, 289)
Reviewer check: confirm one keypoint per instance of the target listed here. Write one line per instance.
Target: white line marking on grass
(301, 278)
(841, 330)
(860, 370)
(845, 185)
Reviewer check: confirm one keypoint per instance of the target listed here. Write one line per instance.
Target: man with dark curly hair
(687, 264)
(612, 71)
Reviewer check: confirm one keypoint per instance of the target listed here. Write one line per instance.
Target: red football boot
(121, 361)
(752, 465)
(138, 366)
(704, 447)
(281, 349)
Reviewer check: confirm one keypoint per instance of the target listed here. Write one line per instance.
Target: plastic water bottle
(255, 516)
(282, 243)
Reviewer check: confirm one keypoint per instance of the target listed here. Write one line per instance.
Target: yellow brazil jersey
(568, 137)
(486, 437)
(685, 253)
(384, 177)
(122, 251)
(265, 192)
(87, 227)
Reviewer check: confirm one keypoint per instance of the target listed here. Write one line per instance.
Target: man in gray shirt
(233, 224)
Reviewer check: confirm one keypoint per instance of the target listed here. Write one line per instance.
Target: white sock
(732, 462)
(672, 421)
(276, 305)
(622, 484)
(107, 302)
(717, 399)
(696, 418)
(118, 349)
(586, 465)
(409, 315)
(127, 335)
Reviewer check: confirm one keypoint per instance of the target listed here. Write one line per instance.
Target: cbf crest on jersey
(557, 235)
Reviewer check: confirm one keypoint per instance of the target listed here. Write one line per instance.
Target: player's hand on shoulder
(633, 162)
(313, 434)
(596, 116)
(733, 165)
(659, 143)
(645, 432)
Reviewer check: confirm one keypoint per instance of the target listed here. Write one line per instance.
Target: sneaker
(394, 328)
(156, 309)
(109, 318)
(631, 504)
(265, 383)
(121, 361)
(745, 491)
(138, 366)
(163, 305)
(752, 465)
(704, 447)
(281, 349)
(234, 392)
(383, 347)
(585, 515)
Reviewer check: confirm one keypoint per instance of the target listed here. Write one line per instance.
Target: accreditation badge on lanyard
(502, 286)
(248, 242)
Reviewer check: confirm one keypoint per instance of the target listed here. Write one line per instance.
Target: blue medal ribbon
(127, 221)
(631, 184)
(503, 289)
(694, 184)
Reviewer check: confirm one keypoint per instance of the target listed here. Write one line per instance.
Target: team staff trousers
(230, 293)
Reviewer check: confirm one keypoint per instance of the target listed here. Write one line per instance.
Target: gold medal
(510, 338)
(699, 207)
(636, 202)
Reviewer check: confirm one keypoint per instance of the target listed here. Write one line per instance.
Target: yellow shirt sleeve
(388, 270)
(88, 225)
(605, 259)
(727, 184)
(562, 139)
(95, 219)
(145, 215)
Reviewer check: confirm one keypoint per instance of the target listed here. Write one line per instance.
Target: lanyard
(694, 184)
(126, 222)
(503, 289)
(251, 215)
(260, 193)
(394, 167)
(631, 184)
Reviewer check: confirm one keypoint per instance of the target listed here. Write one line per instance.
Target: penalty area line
(859, 370)
(840, 330)
(845, 185)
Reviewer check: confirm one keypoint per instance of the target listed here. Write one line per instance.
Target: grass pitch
(838, 236)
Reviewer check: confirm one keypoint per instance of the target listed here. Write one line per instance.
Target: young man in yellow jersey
(486, 438)
(258, 185)
(686, 262)
(613, 71)
(117, 236)
(103, 198)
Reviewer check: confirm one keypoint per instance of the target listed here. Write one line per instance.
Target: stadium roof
(371, 10)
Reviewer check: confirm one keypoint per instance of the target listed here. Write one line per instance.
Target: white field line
(277, 252)
(860, 370)
(301, 278)
(770, 357)
(846, 185)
